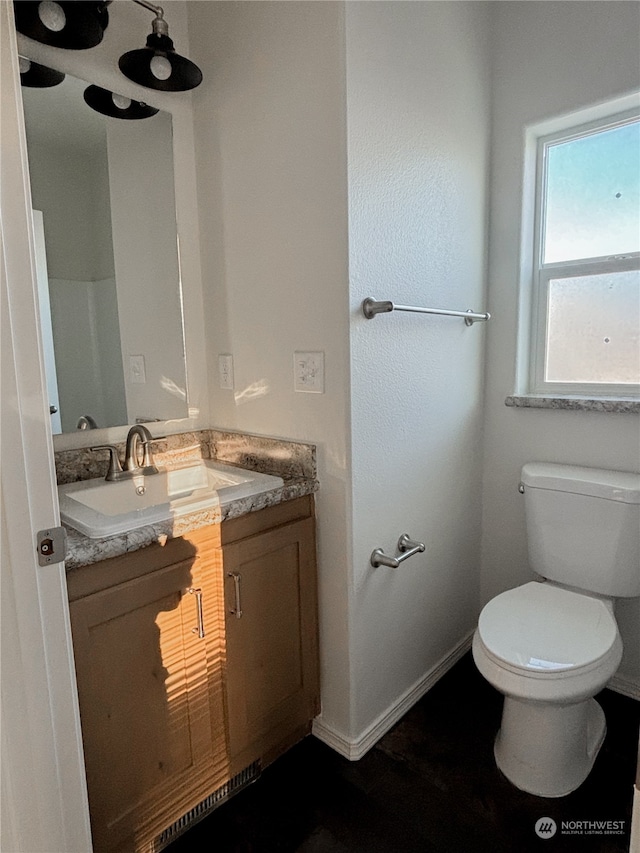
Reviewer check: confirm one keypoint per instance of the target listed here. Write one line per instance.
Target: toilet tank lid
(621, 486)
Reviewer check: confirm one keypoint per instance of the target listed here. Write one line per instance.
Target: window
(586, 269)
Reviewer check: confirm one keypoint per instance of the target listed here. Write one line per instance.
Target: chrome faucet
(137, 435)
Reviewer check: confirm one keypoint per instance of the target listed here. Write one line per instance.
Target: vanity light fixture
(74, 25)
(115, 105)
(158, 66)
(38, 76)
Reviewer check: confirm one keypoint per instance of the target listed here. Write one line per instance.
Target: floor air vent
(209, 804)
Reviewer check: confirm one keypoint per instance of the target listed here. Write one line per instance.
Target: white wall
(418, 126)
(271, 152)
(271, 132)
(549, 58)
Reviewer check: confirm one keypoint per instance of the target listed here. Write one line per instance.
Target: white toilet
(551, 645)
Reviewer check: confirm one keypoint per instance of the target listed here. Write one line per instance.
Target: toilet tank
(583, 527)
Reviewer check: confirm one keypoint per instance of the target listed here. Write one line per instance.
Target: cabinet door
(272, 671)
(144, 703)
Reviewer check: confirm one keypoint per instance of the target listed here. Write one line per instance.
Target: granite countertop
(293, 461)
(83, 551)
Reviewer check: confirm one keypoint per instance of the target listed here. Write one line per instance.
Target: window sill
(579, 404)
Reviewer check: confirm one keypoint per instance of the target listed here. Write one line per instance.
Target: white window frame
(541, 273)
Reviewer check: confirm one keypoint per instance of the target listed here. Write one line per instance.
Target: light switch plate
(137, 372)
(225, 371)
(308, 372)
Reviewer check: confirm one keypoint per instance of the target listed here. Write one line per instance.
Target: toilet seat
(542, 631)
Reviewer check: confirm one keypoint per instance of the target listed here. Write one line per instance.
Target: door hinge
(51, 545)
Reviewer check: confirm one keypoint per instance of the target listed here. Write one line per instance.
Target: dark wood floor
(429, 786)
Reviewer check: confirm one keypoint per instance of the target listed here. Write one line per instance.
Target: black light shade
(74, 24)
(117, 106)
(178, 73)
(38, 76)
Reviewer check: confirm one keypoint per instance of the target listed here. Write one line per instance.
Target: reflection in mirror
(109, 281)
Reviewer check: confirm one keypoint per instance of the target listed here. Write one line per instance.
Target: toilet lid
(544, 628)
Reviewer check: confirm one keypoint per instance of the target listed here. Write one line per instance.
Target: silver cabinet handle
(198, 594)
(237, 577)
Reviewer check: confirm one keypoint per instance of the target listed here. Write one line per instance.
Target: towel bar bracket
(371, 307)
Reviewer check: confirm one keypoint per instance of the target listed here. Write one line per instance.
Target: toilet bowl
(549, 651)
(550, 645)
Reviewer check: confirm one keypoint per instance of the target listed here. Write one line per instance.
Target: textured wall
(418, 118)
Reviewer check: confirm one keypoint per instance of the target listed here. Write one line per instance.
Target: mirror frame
(100, 66)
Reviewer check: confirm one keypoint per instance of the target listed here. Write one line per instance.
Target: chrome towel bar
(371, 307)
(408, 548)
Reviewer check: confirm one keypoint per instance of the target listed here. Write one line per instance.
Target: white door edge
(44, 800)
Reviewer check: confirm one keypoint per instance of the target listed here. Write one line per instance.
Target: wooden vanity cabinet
(178, 693)
(271, 630)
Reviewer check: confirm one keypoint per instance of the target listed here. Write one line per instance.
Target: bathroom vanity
(197, 664)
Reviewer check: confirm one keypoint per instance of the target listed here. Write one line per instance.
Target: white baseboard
(626, 686)
(353, 749)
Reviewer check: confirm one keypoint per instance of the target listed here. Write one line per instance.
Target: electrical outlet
(137, 372)
(225, 372)
(308, 372)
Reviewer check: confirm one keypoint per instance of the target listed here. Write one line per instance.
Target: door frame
(44, 799)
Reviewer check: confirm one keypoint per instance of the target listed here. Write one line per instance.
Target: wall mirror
(107, 254)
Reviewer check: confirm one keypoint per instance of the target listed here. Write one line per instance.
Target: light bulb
(160, 67)
(52, 15)
(121, 102)
(24, 63)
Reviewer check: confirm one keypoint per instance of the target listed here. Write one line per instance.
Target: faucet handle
(147, 459)
(115, 467)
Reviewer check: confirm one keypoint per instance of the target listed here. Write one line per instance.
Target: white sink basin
(99, 508)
